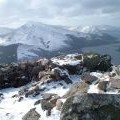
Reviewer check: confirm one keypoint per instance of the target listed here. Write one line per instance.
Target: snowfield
(11, 109)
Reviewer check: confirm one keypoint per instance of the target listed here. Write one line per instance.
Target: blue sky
(60, 12)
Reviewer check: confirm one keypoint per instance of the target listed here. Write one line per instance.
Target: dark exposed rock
(56, 74)
(15, 96)
(46, 105)
(94, 62)
(74, 69)
(37, 102)
(33, 92)
(48, 112)
(20, 99)
(31, 115)
(88, 78)
(1, 96)
(91, 107)
(102, 85)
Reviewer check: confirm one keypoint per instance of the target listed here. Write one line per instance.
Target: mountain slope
(99, 29)
(36, 39)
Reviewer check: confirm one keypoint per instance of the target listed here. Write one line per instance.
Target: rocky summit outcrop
(19, 74)
(91, 107)
(95, 61)
(55, 69)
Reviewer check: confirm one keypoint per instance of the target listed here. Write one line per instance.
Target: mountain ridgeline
(35, 40)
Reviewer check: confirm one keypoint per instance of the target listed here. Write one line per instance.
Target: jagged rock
(49, 101)
(15, 96)
(91, 107)
(88, 78)
(31, 115)
(20, 99)
(46, 105)
(116, 70)
(56, 74)
(59, 104)
(115, 83)
(48, 112)
(74, 69)
(48, 96)
(14, 76)
(23, 91)
(1, 96)
(80, 87)
(102, 85)
(37, 102)
(54, 100)
(33, 91)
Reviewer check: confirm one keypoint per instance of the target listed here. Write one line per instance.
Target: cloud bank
(62, 12)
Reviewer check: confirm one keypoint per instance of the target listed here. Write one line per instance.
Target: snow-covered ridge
(35, 38)
(47, 37)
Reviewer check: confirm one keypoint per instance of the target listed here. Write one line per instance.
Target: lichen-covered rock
(79, 87)
(46, 105)
(95, 61)
(91, 107)
(31, 115)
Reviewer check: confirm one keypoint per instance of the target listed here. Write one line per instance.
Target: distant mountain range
(36, 39)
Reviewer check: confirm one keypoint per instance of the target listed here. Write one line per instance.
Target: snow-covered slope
(35, 36)
(99, 29)
(35, 39)
(44, 36)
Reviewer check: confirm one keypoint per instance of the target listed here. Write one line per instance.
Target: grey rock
(115, 83)
(88, 78)
(31, 115)
(102, 85)
(80, 87)
(91, 107)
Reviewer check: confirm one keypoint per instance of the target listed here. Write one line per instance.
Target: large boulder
(94, 62)
(56, 74)
(78, 87)
(31, 115)
(91, 107)
(71, 62)
(88, 78)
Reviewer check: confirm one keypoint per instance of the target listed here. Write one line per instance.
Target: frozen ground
(11, 109)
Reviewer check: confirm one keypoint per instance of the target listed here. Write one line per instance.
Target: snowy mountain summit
(42, 90)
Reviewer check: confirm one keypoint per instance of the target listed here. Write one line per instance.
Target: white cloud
(64, 12)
